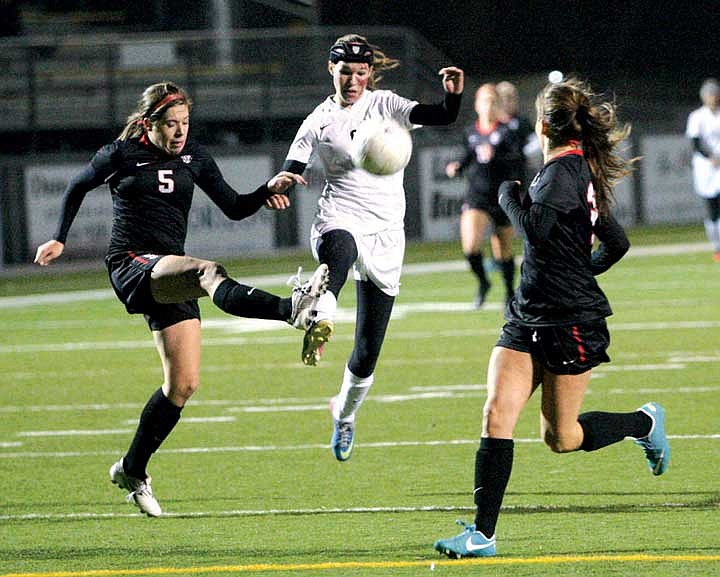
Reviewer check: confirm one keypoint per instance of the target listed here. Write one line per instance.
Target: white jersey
(704, 124)
(353, 199)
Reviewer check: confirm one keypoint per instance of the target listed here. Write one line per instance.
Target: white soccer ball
(381, 147)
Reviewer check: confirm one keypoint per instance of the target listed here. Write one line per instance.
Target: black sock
(507, 267)
(250, 302)
(338, 251)
(158, 418)
(476, 265)
(493, 464)
(603, 429)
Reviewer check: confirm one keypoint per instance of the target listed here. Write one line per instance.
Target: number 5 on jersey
(166, 182)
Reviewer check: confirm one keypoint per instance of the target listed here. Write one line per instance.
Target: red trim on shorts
(139, 259)
(580, 347)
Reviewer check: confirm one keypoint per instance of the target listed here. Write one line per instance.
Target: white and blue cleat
(469, 543)
(342, 440)
(655, 443)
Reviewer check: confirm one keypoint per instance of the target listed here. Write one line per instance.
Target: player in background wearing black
(525, 145)
(152, 169)
(488, 160)
(556, 330)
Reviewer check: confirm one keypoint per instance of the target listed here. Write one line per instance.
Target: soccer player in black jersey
(556, 331)
(488, 160)
(152, 169)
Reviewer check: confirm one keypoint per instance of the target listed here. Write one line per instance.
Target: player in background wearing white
(359, 222)
(703, 129)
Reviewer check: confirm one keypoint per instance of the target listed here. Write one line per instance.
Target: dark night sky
(639, 41)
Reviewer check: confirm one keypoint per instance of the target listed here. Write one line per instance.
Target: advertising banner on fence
(668, 195)
(210, 233)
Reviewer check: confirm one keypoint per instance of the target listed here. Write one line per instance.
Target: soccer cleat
(469, 543)
(481, 295)
(305, 296)
(314, 341)
(655, 443)
(140, 490)
(341, 442)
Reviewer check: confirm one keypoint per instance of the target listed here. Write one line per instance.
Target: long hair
(571, 111)
(153, 103)
(381, 61)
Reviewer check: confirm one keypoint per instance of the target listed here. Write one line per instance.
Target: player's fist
(48, 252)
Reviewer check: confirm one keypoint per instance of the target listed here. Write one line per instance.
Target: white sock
(712, 230)
(352, 394)
(326, 306)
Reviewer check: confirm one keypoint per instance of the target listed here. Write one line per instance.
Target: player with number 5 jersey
(152, 170)
(556, 331)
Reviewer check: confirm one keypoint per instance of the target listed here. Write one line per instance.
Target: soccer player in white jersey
(360, 216)
(703, 129)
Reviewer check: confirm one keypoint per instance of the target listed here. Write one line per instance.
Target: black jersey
(557, 284)
(488, 160)
(520, 130)
(152, 194)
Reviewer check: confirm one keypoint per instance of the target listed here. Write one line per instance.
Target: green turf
(262, 494)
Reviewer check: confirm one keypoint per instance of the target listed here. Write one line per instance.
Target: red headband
(172, 97)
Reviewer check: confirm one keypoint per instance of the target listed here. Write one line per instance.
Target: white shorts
(380, 257)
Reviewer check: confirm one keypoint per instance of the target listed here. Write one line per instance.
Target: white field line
(293, 338)
(295, 404)
(277, 279)
(332, 511)
(299, 447)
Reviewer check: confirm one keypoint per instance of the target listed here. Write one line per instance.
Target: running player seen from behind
(359, 222)
(152, 170)
(556, 330)
(488, 160)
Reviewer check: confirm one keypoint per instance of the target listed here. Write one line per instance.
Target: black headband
(351, 52)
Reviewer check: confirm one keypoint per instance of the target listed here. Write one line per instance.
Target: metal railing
(94, 81)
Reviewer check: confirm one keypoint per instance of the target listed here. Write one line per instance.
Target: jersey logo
(186, 158)
(141, 163)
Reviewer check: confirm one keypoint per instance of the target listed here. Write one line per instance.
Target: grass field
(247, 480)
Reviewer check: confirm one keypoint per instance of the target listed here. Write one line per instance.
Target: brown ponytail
(571, 111)
(153, 103)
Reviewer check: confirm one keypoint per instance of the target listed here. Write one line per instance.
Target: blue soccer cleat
(342, 440)
(469, 543)
(655, 444)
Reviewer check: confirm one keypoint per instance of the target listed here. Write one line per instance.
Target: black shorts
(563, 350)
(130, 278)
(481, 202)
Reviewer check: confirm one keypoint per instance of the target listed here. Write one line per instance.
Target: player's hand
(48, 252)
(278, 202)
(282, 181)
(508, 190)
(451, 169)
(453, 79)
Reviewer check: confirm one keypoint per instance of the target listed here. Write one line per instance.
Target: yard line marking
(291, 339)
(279, 279)
(313, 511)
(293, 404)
(75, 433)
(335, 566)
(299, 447)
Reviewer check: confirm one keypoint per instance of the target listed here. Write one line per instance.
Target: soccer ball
(381, 147)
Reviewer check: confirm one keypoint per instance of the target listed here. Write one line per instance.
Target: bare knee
(498, 421)
(560, 443)
(180, 390)
(210, 275)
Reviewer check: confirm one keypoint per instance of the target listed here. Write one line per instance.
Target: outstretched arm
(445, 112)
(74, 194)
